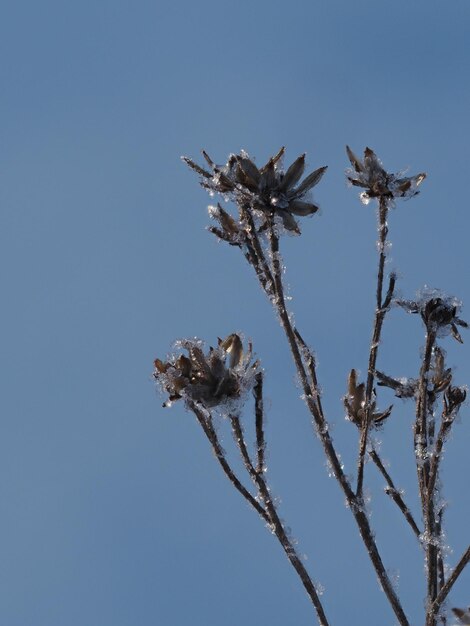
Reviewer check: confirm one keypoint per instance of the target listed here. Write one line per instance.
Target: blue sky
(114, 510)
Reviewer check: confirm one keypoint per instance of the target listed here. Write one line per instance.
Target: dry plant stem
(206, 422)
(446, 425)
(393, 492)
(423, 469)
(440, 559)
(276, 524)
(380, 311)
(443, 593)
(252, 259)
(314, 405)
(256, 252)
(259, 419)
(420, 429)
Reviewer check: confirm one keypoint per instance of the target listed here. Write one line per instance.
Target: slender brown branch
(311, 368)
(252, 258)
(206, 423)
(261, 266)
(440, 558)
(312, 398)
(380, 311)
(239, 437)
(311, 390)
(420, 428)
(276, 523)
(259, 419)
(423, 464)
(446, 425)
(393, 492)
(443, 593)
(436, 578)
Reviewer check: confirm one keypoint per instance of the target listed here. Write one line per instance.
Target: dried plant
(268, 201)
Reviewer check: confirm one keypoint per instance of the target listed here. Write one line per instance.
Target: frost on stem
(330, 469)
(218, 378)
(270, 191)
(371, 176)
(394, 577)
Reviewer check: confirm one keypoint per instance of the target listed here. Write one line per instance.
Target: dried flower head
(217, 377)
(454, 397)
(270, 189)
(355, 403)
(438, 312)
(370, 175)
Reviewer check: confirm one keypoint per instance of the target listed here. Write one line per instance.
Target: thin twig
(422, 465)
(446, 425)
(259, 419)
(206, 423)
(253, 260)
(393, 492)
(420, 428)
(443, 593)
(276, 523)
(436, 578)
(312, 398)
(311, 369)
(380, 311)
(261, 266)
(440, 558)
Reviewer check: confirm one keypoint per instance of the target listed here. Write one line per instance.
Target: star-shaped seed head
(377, 182)
(270, 190)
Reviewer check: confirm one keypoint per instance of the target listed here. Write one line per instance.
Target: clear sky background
(113, 510)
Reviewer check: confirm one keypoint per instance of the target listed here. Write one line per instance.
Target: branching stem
(381, 307)
(423, 468)
(276, 523)
(393, 492)
(443, 593)
(205, 421)
(312, 396)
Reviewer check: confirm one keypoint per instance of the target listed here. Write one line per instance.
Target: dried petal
(210, 162)
(268, 176)
(455, 333)
(160, 366)
(274, 159)
(297, 207)
(197, 168)
(310, 181)
(379, 418)
(355, 162)
(289, 222)
(233, 346)
(293, 174)
(226, 221)
(250, 169)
